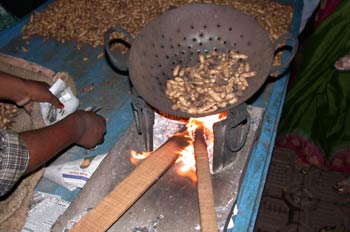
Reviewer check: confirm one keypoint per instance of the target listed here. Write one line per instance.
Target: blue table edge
(253, 182)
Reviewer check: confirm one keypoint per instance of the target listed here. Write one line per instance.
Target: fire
(188, 164)
(187, 156)
(137, 156)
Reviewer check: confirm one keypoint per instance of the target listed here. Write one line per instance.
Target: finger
(101, 141)
(55, 102)
(28, 107)
(44, 84)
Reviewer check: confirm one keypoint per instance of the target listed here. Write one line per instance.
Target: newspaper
(74, 174)
(52, 114)
(44, 211)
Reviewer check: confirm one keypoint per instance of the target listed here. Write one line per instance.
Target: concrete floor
(297, 202)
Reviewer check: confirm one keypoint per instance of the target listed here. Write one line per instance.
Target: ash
(151, 228)
(164, 128)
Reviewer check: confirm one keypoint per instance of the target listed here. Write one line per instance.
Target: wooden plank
(205, 190)
(133, 186)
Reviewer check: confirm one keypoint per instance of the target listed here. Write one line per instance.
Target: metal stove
(230, 134)
(171, 204)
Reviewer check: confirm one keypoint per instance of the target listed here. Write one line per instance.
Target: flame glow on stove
(186, 157)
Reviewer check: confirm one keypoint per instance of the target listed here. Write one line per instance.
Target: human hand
(37, 91)
(92, 128)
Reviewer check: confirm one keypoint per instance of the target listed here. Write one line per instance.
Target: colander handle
(118, 59)
(285, 64)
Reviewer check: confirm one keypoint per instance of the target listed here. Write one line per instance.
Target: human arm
(23, 92)
(83, 128)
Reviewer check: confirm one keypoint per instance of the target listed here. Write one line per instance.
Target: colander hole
(171, 46)
(178, 30)
(205, 51)
(241, 36)
(173, 62)
(205, 26)
(184, 38)
(167, 57)
(218, 26)
(156, 55)
(189, 47)
(210, 38)
(249, 43)
(192, 27)
(183, 52)
(200, 43)
(159, 65)
(194, 39)
(163, 36)
(192, 53)
(201, 35)
(234, 44)
(180, 61)
(225, 42)
(162, 46)
(219, 38)
(178, 45)
(230, 28)
(153, 45)
(215, 49)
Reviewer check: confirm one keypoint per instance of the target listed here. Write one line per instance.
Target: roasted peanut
(203, 90)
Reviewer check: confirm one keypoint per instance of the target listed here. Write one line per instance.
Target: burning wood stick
(133, 186)
(205, 190)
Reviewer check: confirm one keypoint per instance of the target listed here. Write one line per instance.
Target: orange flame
(135, 156)
(187, 156)
(188, 164)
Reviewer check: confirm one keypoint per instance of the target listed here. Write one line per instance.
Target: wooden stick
(205, 190)
(133, 186)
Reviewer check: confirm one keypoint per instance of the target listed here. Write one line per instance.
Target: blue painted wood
(110, 89)
(254, 179)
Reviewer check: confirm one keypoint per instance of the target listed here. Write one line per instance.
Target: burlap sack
(14, 208)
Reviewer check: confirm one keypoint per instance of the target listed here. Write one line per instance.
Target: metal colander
(179, 35)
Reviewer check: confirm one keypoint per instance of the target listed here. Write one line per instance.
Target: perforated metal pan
(178, 35)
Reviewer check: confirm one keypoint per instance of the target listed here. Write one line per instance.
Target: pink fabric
(311, 154)
(325, 11)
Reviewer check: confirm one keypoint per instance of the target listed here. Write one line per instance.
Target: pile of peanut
(7, 113)
(86, 21)
(217, 81)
